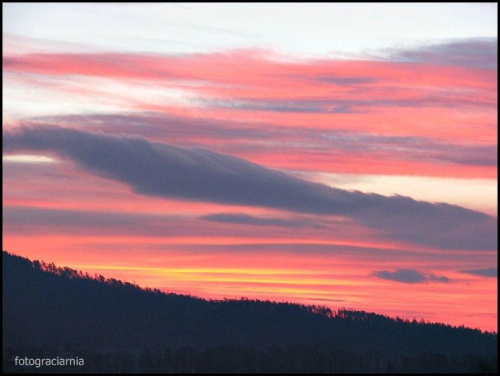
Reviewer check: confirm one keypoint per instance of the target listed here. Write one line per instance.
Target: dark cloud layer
(409, 276)
(474, 53)
(488, 272)
(246, 219)
(196, 174)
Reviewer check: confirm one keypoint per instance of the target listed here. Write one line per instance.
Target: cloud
(342, 105)
(413, 148)
(409, 276)
(159, 169)
(31, 220)
(258, 221)
(241, 79)
(473, 53)
(343, 251)
(488, 272)
(347, 81)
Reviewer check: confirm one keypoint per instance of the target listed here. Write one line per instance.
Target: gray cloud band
(488, 272)
(195, 174)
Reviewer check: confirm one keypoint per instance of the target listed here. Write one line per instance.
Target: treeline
(46, 307)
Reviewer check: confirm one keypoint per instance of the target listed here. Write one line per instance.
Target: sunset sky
(331, 154)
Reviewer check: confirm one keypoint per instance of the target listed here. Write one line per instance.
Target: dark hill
(48, 311)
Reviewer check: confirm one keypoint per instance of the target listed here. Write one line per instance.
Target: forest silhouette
(117, 326)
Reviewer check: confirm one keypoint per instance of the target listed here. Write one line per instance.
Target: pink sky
(205, 138)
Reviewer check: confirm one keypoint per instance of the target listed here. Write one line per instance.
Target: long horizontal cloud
(477, 53)
(488, 272)
(342, 105)
(160, 169)
(246, 219)
(23, 220)
(247, 138)
(35, 221)
(409, 276)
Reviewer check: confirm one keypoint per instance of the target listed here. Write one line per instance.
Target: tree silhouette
(119, 327)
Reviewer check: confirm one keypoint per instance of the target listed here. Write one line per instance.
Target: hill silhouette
(51, 311)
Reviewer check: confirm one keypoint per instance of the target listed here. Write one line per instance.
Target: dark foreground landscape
(113, 326)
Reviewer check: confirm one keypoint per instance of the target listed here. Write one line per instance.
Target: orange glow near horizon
(332, 280)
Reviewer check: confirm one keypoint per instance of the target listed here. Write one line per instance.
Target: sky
(342, 155)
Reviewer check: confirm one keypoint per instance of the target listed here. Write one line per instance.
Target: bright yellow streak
(195, 270)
